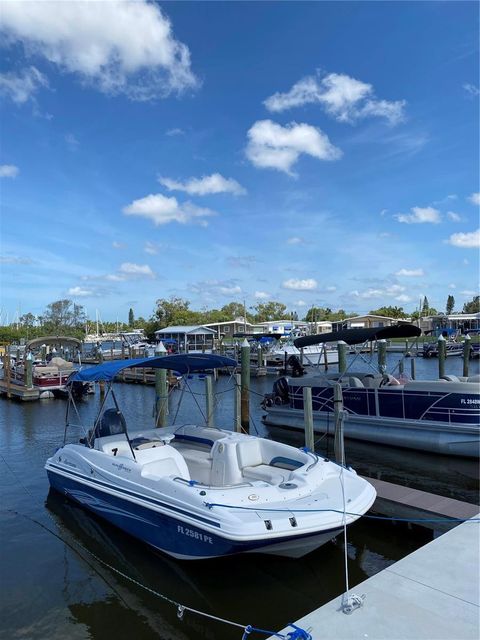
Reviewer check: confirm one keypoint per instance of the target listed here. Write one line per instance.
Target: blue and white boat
(438, 416)
(200, 492)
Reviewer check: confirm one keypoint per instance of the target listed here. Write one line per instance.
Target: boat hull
(170, 534)
(434, 437)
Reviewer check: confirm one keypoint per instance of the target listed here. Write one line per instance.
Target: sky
(317, 154)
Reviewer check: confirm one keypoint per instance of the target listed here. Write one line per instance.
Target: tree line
(64, 317)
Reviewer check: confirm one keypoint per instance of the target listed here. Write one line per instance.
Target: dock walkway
(432, 594)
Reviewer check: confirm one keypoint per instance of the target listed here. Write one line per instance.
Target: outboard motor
(280, 391)
(296, 366)
(111, 423)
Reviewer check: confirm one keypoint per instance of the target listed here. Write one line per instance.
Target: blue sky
(311, 153)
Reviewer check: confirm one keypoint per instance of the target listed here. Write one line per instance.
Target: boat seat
(253, 463)
(355, 382)
(109, 444)
(371, 382)
(266, 473)
(199, 464)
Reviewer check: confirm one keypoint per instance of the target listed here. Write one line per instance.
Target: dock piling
(308, 417)
(339, 416)
(209, 400)
(442, 352)
(382, 355)
(245, 386)
(29, 371)
(237, 426)
(161, 390)
(413, 365)
(342, 348)
(466, 354)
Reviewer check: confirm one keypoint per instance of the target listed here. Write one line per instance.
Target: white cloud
(163, 210)
(118, 245)
(131, 269)
(295, 240)
(300, 303)
(79, 292)
(410, 273)
(403, 298)
(275, 147)
(300, 285)
(119, 47)
(9, 171)
(393, 291)
(15, 260)
(230, 291)
(474, 198)
(472, 89)
(151, 248)
(72, 141)
(261, 295)
(452, 286)
(454, 217)
(215, 183)
(343, 97)
(21, 87)
(330, 288)
(210, 288)
(466, 240)
(469, 292)
(175, 132)
(420, 215)
(244, 262)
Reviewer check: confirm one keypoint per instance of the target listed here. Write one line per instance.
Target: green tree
(425, 307)
(390, 312)
(232, 310)
(473, 306)
(175, 311)
(450, 305)
(131, 318)
(63, 316)
(266, 311)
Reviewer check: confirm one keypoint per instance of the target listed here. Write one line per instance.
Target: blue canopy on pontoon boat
(182, 363)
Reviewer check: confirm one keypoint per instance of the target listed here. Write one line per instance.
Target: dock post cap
(160, 348)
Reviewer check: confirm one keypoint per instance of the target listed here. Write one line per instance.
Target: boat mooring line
(297, 634)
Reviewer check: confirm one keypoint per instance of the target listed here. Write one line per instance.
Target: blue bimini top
(182, 363)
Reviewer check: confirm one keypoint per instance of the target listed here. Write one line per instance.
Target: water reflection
(261, 590)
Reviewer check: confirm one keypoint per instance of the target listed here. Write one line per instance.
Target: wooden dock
(18, 392)
(394, 500)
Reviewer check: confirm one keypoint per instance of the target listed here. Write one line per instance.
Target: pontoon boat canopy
(53, 340)
(182, 363)
(359, 336)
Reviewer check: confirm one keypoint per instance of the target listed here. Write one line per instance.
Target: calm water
(51, 588)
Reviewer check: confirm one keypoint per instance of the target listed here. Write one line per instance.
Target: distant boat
(439, 416)
(198, 492)
(50, 372)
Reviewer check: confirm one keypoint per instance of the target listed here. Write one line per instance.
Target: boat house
(229, 328)
(187, 339)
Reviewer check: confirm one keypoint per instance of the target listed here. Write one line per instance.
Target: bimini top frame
(106, 372)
